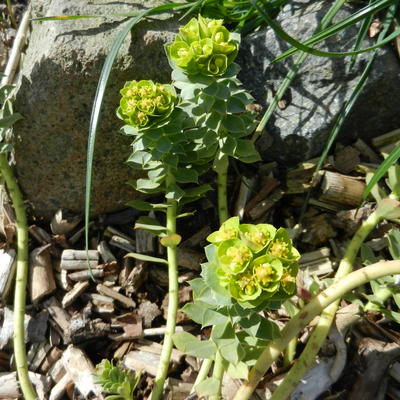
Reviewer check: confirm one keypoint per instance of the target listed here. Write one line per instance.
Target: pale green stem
(322, 329)
(218, 374)
(21, 279)
(318, 304)
(290, 352)
(221, 168)
(172, 299)
(203, 373)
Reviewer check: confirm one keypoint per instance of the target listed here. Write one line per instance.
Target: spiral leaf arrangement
(202, 56)
(250, 269)
(116, 381)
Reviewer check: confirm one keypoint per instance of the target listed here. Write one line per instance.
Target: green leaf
(186, 175)
(238, 371)
(200, 313)
(209, 387)
(367, 255)
(190, 345)
(174, 192)
(382, 169)
(144, 257)
(394, 243)
(129, 130)
(393, 180)
(233, 123)
(246, 151)
(388, 208)
(8, 121)
(150, 224)
(171, 240)
(260, 327)
(227, 343)
(145, 206)
(203, 293)
(146, 185)
(228, 145)
(235, 105)
(164, 145)
(5, 148)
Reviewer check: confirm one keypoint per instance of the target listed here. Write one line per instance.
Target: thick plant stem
(172, 299)
(329, 296)
(218, 374)
(203, 373)
(221, 168)
(322, 329)
(21, 279)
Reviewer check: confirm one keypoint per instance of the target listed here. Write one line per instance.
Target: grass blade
(360, 36)
(347, 108)
(99, 96)
(382, 170)
(293, 72)
(304, 47)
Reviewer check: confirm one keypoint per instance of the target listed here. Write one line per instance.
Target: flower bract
(145, 103)
(203, 46)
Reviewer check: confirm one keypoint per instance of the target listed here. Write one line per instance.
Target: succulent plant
(117, 381)
(145, 103)
(203, 46)
(254, 261)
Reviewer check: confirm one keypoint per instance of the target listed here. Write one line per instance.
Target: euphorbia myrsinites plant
(250, 269)
(202, 56)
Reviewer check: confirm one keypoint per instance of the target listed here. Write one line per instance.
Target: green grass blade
(160, 9)
(326, 20)
(349, 105)
(382, 170)
(360, 37)
(98, 102)
(333, 29)
(304, 47)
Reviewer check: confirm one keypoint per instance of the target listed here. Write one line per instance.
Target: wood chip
(77, 259)
(261, 208)
(41, 277)
(81, 370)
(126, 301)
(7, 272)
(77, 290)
(341, 189)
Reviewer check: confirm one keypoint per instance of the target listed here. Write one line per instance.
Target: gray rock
(59, 78)
(321, 87)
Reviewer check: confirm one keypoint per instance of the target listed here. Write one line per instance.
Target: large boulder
(321, 87)
(59, 78)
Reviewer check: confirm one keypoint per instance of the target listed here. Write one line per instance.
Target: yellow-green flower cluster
(255, 261)
(145, 103)
(203, 46)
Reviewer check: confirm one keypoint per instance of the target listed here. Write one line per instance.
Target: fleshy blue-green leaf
(189, 344)
(144, 257)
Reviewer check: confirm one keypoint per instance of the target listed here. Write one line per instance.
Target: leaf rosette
(145, 104)
(203, 46)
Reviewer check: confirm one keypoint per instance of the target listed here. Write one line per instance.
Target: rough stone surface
(321, 87)
(59, 78)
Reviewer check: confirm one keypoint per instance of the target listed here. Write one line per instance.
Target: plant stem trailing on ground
(329, 296)
(21, 278)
